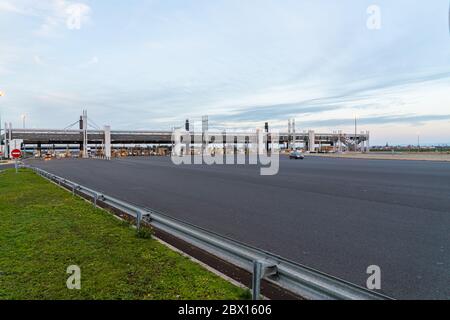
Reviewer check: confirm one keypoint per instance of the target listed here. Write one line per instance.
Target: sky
(140, 64)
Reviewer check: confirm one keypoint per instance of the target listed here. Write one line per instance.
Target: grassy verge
(44, 229)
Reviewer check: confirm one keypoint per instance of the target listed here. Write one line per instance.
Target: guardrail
(298, 279)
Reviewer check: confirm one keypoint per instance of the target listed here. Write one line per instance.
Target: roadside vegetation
(44, 229)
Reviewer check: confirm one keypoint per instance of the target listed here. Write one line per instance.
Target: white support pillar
(9, 140)
(289, 134)
(85, 137)
(294, 140)
(107, 143)
(311, 141)
(5, 149)
(339, 141)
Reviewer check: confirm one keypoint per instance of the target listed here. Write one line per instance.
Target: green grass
(44, 229)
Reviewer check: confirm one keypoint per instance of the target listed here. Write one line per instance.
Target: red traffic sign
(16, 153)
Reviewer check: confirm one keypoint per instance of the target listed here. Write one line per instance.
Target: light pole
(1, 140)
(356, 129)
(418, 141)
(23, 116)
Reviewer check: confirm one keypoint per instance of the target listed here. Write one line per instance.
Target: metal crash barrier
(293, 277)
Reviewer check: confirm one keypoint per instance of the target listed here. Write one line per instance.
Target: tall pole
(85, 135)
(205, 128)
(356, 130)
(289, 134)
(418, 141)
(294, 135)
(1, 141)
(5, 150)
(2, 150)
(9, 139)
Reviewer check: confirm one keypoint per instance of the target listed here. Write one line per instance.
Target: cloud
(400, 100)
(38, 60)
(7, 6)
(377, 120)
(277, 111)
(92, 61)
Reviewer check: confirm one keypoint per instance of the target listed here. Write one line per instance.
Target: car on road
(296, 155)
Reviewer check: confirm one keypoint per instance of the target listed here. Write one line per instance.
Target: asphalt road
(336, 215)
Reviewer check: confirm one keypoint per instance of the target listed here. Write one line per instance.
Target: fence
(293, 277)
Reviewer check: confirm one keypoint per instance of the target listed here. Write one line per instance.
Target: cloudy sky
(140, 64)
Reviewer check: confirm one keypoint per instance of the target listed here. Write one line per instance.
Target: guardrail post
(260, 271)
(95, 200)
(256, 279)
(138, 219)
